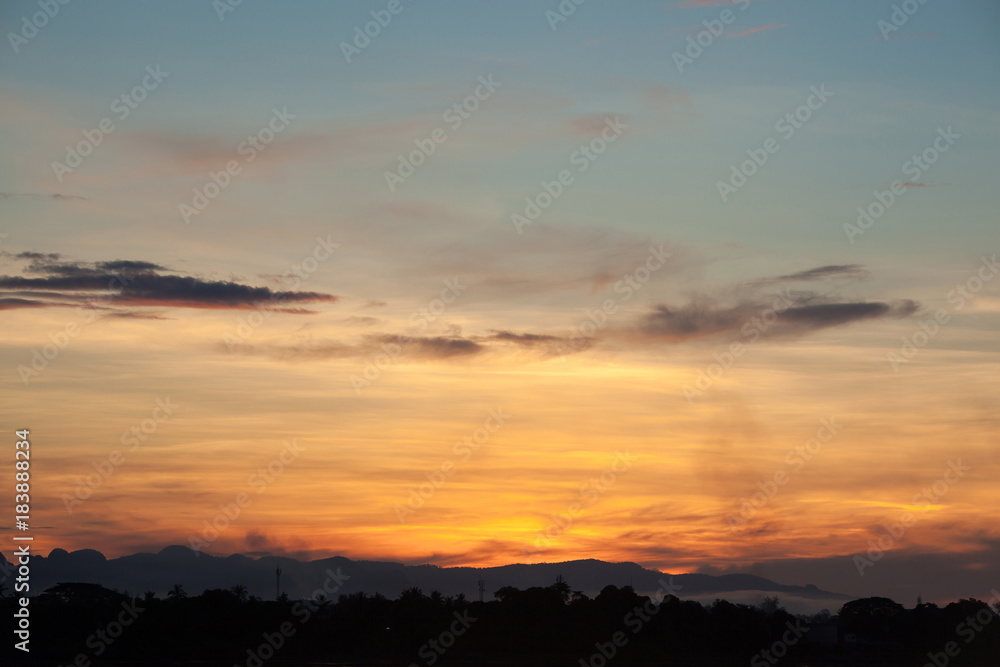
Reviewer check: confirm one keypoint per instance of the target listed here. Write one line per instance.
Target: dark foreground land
(85, 624)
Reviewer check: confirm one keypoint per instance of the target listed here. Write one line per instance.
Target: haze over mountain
(196, 571)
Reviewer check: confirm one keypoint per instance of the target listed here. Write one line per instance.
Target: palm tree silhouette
(240, 591)
(177, 592)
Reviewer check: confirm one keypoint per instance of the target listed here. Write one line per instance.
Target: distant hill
(198, 571)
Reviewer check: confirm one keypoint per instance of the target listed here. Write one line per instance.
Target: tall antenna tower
(277, 585)
(482, 586)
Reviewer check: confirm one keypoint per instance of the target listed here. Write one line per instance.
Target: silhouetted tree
(412, 595)
(240, 591)
(81, 593)
(531, 626)
(871, 619)
(770, 605)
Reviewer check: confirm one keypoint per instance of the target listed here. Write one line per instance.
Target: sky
(707, 286)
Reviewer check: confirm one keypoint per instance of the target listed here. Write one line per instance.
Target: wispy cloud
(410, 347)
(759, 28)
(828, 271)
(701, 319)
(40, 195)
(907, 35)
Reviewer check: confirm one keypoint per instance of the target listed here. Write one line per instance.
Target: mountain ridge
(197, 571)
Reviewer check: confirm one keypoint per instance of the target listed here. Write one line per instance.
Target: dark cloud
(693, 320)
(792, 317)
(790, 314)
(795, 317)
(749, 314)
(51, 256)
(435, 347)
(525, 339)
(133, 283)
(420, 348)
(152, 289)
(125, 265)
(403, 347)
(833, 314)
(544, 344)
(50, 264)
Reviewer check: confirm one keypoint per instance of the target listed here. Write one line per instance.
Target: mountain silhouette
(199, 571)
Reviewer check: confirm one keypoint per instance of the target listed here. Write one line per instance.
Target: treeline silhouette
(83, 624)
